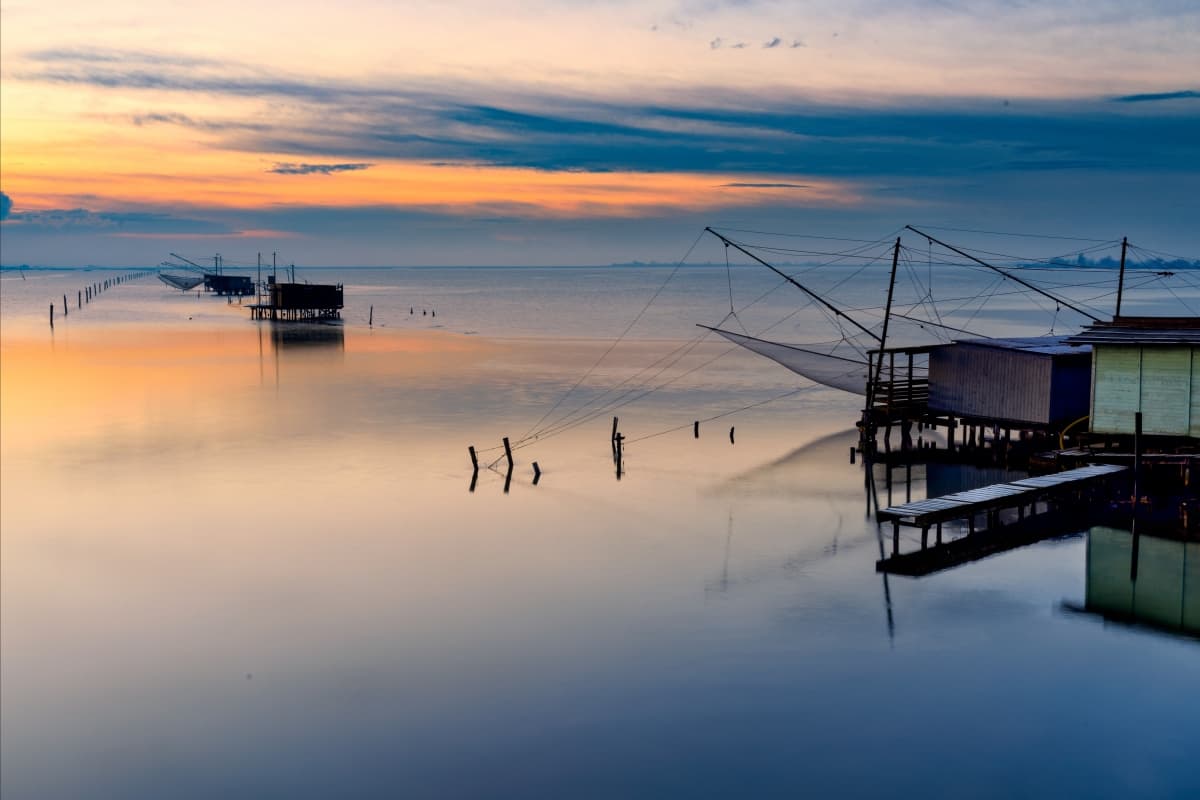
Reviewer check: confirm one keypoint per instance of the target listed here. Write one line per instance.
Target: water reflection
(1144, 580)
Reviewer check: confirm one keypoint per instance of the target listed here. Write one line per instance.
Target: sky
(585, 131)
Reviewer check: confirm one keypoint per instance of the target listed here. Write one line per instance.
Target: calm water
(240, 560)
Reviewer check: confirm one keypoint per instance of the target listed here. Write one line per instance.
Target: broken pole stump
(696, 429)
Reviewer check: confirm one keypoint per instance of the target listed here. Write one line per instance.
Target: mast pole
(1006, 274)
(1121, 278)
(873, 380)
(798, 285)
(887, 315)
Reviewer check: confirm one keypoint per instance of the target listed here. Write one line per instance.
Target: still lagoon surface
(241, 560)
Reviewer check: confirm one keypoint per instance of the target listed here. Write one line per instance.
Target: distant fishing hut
(231, 285)
(300, 301)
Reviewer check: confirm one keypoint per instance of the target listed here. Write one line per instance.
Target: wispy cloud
(772, 43)
(1187, 94)
(331, 126)
(79, 220)
(765, 186)
(317, 169)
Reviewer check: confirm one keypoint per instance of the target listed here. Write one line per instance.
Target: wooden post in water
(52, 316)
(474, 458)
(508, 453)
(66, 308)
(537, 473)
(614, 436)
(79, 299)
(731, 434)
(696, 429)
(620, 455)
(371, 318)
(1137, 459)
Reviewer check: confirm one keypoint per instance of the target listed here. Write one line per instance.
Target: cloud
(317, 169)
(116, 223)
(183, 120)
(5, 206)
(765, 186)
(775, 42)
(796, 43)
(715, 43)
(329, 126)
(1187, 94)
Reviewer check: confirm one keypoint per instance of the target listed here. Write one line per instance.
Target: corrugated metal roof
(1136, 335)
(1047, 345)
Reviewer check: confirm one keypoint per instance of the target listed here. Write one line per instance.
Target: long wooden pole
(1006, 274)
(1121, 277)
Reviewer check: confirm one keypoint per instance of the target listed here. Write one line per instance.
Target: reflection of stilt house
(300, 301)
(1149, 365)
(1144, 580)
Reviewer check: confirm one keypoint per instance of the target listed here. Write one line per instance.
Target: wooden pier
(1023, 496)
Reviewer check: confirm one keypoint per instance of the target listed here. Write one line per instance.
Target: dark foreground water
(244, 561)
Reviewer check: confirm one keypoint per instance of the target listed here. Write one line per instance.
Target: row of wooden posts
(618, 453)
(86, 294)
(537, 471)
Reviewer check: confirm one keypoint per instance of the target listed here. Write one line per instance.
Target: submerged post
(614, 433)
(52, 316)
(731, 434)
(474, 458)
(371, 318)
(79, 298)
(66, 308)
(696, 429)
(620, 455)
(508, 453)
(537, 473)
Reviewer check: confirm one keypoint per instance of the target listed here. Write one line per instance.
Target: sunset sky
(587, 131)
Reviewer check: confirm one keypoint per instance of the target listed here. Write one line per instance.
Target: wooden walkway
(991, 500)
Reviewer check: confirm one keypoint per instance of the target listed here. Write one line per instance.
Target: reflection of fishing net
(843, 368)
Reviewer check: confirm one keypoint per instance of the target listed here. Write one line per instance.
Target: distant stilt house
(1149, 365)
(235, 285)
(300, 301)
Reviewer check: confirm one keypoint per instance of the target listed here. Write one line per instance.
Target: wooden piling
(371, 318)
(731, 434)
(614, 434)
(79, 299)
(696, 429)
(1137, 458)
(620, 455)
(508, 453)
(474, 458)
(52, 316)
(66, 308)
(537, 473)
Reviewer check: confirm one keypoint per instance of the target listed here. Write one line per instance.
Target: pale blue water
(237, 564)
